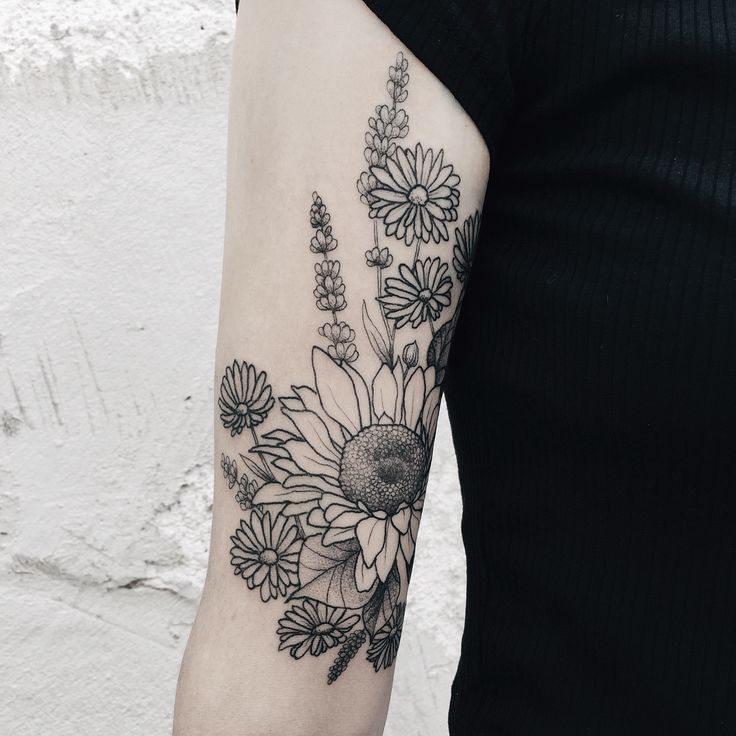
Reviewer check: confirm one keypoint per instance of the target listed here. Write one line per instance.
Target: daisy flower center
(268, 557)
(324, 628)
(425, 295)
(383, 466)
(418, 195)
(242, 408)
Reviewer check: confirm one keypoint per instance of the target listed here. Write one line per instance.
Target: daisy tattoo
(334, 473)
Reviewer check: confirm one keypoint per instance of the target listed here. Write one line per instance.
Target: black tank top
(592, 386)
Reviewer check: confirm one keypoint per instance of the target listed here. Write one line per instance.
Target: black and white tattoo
(332, 493)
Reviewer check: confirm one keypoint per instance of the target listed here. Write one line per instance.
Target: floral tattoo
(333, 492)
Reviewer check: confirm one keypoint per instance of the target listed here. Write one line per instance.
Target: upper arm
(354, 186)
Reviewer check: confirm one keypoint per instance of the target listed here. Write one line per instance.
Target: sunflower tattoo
(332, 494)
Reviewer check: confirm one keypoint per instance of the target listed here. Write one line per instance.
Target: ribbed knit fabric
(464, 45)
(592, 385)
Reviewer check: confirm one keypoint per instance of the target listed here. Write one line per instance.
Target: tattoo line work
(332, 500)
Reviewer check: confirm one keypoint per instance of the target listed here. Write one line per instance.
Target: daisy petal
(389, 195)
(398, 175)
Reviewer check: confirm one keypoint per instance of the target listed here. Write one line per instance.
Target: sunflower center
(323, 628)
(418, 195)
(383, 466)
(268, 557)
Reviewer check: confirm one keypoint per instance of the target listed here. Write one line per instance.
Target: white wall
(112, 122)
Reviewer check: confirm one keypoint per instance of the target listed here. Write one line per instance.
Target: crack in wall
(25, 565)
(9, 424)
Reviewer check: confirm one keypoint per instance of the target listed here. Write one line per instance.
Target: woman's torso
(592, 385)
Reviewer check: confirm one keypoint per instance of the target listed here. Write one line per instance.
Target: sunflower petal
(292, 402)
(365, 576)
(344, 519)
(361, 392)
(387, 555)
(332, 499)
(314, 431)
(371, 534)
(310, 483)
(399, 378)
(333, 536)
(431, 422)
(385, 392)
(316, 518)
(414, 398)
(431, 409)
(431, 404)
(407, 547)
(296, 509)
(336, 391)
(309, 460)
(401, 520)
(309, 399)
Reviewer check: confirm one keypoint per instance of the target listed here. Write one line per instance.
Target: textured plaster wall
(112, 121)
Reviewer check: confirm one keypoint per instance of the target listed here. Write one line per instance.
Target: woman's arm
(354, 186)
